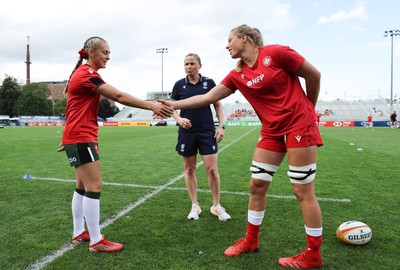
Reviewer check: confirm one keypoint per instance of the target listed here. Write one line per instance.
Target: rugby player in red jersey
(269, 78)
(80, 139)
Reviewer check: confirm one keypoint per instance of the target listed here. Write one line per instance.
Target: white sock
(91, 210)
(255, 217)
(315, 232)
(77, 213)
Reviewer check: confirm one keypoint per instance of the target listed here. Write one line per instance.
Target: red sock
(313, 245)
(252, 233)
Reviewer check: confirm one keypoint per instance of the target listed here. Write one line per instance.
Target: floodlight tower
(391, 33)
(162, 51)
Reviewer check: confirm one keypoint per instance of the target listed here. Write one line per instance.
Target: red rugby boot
(241, 246)
(301, 261)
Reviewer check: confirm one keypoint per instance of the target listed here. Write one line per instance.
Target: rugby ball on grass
(354, 232)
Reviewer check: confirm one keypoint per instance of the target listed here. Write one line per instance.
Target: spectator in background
(318, 117)
(369, 121)
(377, 112)
(393, 120)
(197, 134)
(328, 112)
(80, 139)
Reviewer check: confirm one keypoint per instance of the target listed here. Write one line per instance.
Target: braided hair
(90, 43)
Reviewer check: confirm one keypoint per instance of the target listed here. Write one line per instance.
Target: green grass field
(144, 203)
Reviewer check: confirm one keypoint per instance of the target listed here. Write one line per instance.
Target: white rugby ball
(354, 232)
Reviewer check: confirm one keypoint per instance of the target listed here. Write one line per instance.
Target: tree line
(35, 99)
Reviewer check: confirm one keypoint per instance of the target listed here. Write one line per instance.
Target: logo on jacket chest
(256, 80)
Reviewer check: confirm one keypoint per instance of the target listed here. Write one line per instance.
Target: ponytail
(254, 36)
(90, 43)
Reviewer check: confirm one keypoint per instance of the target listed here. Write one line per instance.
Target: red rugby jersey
(82, 106)
(274, 90)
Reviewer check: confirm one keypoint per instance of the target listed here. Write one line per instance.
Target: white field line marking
(44, 261)
(199, 190)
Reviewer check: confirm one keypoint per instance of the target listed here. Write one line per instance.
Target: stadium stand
(336, 110)
(356, 110)
(230, 110)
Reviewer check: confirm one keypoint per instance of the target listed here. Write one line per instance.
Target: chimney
(28, 64)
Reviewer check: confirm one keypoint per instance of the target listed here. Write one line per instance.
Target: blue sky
(343, 39)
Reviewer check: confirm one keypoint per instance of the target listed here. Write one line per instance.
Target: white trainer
(195, 212)
(220, 212)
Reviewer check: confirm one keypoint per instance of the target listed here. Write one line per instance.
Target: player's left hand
(219, 134)
(61, 147)
(185, 123)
